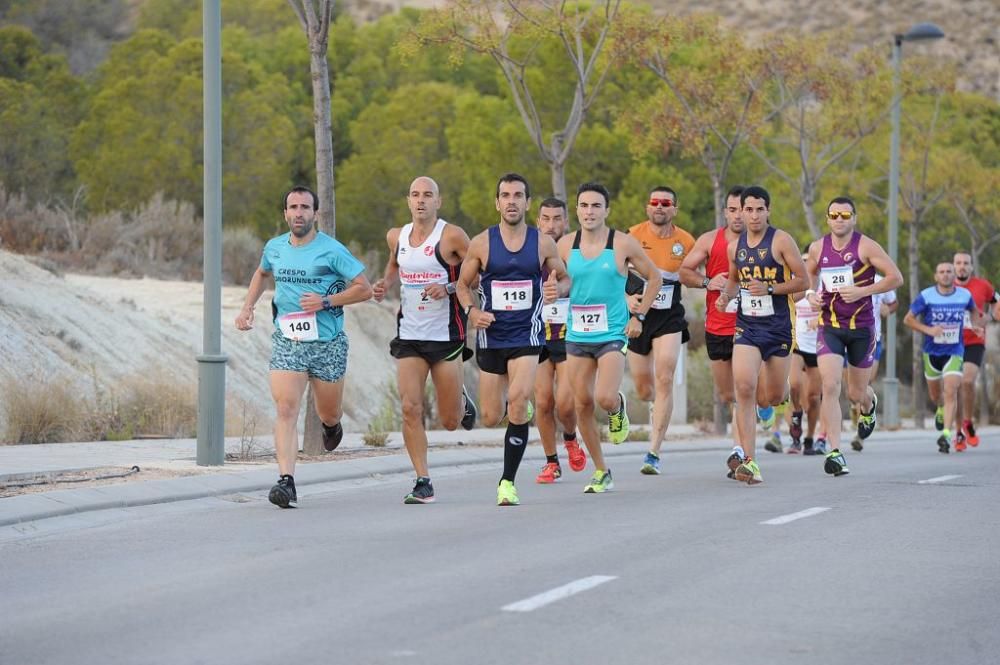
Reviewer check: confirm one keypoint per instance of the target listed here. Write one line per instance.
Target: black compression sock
(552, 459)
(513, 449)
(569, 436)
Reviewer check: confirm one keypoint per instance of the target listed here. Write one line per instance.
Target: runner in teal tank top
(599, 321)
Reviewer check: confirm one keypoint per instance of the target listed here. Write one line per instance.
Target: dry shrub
(150, 403)
(30, 229)
(39, 409)
(241, 251)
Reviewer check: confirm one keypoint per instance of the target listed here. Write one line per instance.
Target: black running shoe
(423, 492)
(943, 444)
(332, 436)
(835, 463)
(867, 421)
(857, 444)
(283, 494)
(469, 419)
(733, 461)
(807, 446)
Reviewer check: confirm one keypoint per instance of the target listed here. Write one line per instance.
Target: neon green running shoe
(600, 482)
(939, 419)
(507, 494)
(506, 418)
(748, 472)
(618, 423)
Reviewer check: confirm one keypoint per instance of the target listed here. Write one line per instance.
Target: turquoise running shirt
(323, 266)
(598, 312)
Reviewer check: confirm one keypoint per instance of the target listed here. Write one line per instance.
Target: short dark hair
(846, 200)
(595, 187)
(553, 202)
(299, 190)
(755, 192)
(664, 188)
(735, 190)
(514, 177)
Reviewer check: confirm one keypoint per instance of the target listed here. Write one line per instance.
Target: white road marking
(551, 596)
(939, 479)
(791, 517)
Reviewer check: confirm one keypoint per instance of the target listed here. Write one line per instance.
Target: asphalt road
(880, 566)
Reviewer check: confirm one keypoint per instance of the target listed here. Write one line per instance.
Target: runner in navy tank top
(507, 260)
(765, 269)
(842, 267)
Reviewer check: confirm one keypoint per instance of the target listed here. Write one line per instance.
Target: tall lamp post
(890, 385)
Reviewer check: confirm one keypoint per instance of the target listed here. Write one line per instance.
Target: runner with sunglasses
(842, 267)
(653, 357)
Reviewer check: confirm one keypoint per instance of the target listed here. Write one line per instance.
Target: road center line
(551, 596)
(791, 517)
(939, 479)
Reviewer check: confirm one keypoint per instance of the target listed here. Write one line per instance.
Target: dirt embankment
(86, 329)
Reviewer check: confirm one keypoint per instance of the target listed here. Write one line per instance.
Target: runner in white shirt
(804, 380)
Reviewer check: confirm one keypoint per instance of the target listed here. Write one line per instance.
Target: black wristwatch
(641, 317)
(705, 282)
(770, 289)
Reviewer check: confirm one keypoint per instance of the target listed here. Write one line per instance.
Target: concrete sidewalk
(448, 449)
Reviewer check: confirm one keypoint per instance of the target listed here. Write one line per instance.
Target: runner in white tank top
(425, 257)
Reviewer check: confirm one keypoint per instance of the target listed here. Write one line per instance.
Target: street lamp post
(890, 385)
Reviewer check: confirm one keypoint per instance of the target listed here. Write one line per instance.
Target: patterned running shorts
(326, 361)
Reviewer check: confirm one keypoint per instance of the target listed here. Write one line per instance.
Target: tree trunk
(919, 399)
(324, 137)
(719, 200)
(808, 201)
(558, 171)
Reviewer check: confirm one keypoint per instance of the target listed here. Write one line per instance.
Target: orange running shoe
(959, 442)
(970, 433)
(577, 458)
(550, 473)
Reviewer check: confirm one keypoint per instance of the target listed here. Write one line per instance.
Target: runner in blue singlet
(508, 260)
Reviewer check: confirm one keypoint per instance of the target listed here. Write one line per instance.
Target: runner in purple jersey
(845, 262)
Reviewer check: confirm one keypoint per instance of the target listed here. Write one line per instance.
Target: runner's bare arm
(474, 260)
(789, 254)
(453, 247)
(812, 272)
(730, 290)
(911, 321)
(258, 283)
(698, 255)
(873, 254)
(635, 255)
(359, 290)
(391, 273)
(549, 255)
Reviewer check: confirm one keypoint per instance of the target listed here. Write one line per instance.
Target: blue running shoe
(766, 417)
(651, 465)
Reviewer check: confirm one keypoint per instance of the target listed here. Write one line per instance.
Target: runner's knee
(413, 411)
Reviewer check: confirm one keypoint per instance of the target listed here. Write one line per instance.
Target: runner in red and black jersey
(983, 293)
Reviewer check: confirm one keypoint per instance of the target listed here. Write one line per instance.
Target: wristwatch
(704, 282)
(468, 309)
(641, 317)
(770, 289)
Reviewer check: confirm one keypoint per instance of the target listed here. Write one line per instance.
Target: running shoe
(507, 494)
(807, 446)
(970, 433)
(943, 444)
(773, 444)
(618, 423)
(857, 444)
(819, 448)
(960, 442)
(469, 418)
(733, 461)
(835, 463)
(795, 448)
(506, 420)
(766, 416)
(283, 493)
(939, 419)
(867, 421)
(795, 429)
(748, 472)
(549, 474)
(577, 458)
(600, 482)
(332, 436)
(651, 465)
(423, 492)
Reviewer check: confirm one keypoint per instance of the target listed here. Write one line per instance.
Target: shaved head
(424, 183)
(424, 200)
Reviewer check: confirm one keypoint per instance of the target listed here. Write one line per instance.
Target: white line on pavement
(939, 479)
(791, 517)
(551, 596)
